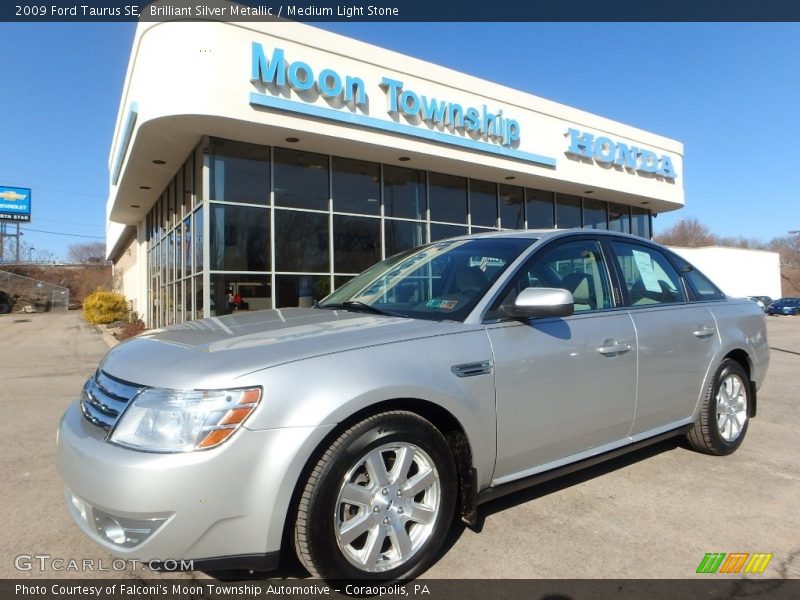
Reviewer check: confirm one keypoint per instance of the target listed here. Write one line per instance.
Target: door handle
(704, 332)
(613, 347)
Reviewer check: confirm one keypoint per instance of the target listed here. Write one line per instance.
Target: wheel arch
(743, 359)
(439, 417)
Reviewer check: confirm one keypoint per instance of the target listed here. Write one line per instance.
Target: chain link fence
(18, 292)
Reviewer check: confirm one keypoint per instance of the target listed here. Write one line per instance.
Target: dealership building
(275, 160)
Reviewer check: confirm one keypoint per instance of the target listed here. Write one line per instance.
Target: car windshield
(443, 280)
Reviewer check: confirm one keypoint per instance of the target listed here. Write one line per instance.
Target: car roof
(548, 234)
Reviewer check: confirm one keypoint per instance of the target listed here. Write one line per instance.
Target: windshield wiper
(358, 305)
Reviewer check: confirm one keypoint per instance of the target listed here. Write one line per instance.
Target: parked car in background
(353, 433)
(765, 299)
(758, 301)
(784, 306)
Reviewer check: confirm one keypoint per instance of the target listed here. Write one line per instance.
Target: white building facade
(274, 161)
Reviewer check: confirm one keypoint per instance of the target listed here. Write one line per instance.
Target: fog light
(124, 532)
(110, 529)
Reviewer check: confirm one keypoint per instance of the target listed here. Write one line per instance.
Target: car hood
(210, 352)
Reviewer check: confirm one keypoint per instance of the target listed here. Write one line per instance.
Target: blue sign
(448, 122)
(15, 204)
(606, 151)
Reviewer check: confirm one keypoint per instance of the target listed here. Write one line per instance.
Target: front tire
(379, 502)
(722, 422)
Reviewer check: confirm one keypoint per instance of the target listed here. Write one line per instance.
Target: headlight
(160, 420)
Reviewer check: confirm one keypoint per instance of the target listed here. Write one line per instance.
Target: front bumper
(229, 501)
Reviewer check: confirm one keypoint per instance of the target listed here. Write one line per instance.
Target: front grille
(104, 398)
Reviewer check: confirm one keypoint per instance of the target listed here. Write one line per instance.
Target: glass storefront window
(356, 186)
(198, 240)
(640, 222)
(234, 292)
(300, 290)
(442, 232)
(540, 209)
(483, 203)
(356, 243)
(512, 205)
(239, 238)
(403, 235)
(448, 198)
(198, 297)
(594, 214)
(302, 245)
(301, 179)
(187, 245)
(619, 217)
(568, 211)
(403, 193)
(239, 172)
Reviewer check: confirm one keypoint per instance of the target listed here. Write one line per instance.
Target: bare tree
(687, 233)
(87, 253)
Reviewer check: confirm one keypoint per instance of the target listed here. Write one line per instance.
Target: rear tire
(379, 502)
(722, 421)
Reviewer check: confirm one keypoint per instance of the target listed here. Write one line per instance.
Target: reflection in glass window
(301, 179)
(239, 172)
(356, 186)
(577, 267)
(594, 214)
(540, 209)
(403, 235)
(448, 198)
(483, 203)
(568, 211)
(441, 232)
(512, 207)
(234, 292)
(619, 217)
(649, 277)
(198, 240)
(239, 238)
(403, 193)
(198, 297)
(640, 222)
(302, 245)
(356, 243)
(300, 290)
(187, 245)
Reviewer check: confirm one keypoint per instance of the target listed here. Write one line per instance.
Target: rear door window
(647, 274)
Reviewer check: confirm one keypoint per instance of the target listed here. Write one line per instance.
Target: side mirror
(542, 302)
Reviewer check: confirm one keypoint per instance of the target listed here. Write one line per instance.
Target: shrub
(101, 308)
(131, 329)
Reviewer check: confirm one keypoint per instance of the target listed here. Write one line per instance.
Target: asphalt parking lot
(651, 514)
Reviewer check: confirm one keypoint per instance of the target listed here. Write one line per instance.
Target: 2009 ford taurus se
(358, 430)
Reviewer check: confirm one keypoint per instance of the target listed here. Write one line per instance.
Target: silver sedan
(354, 433)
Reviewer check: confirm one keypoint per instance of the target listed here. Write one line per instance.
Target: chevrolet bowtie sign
(15, 204)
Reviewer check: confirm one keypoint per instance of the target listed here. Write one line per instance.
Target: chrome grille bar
(104, 398)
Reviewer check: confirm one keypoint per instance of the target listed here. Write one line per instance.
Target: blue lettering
(488, 122)
(604, 150)
(580, 144)
(432, 110)
(473, 119)
(392, 88)
(512, 127)
(666, 170)
(455, 115)
(648, 162)
(329, 84)
(626, 156)
(409, 102)
(272, 71)
(355, 90)
(301, 77)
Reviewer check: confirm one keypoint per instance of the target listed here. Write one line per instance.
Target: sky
(729, 92)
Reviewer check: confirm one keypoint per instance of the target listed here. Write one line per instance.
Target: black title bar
(402, 10)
